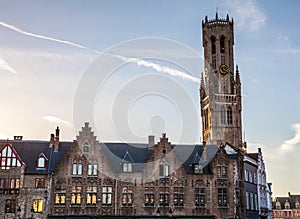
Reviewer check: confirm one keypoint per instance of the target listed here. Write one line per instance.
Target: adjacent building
(286, 207)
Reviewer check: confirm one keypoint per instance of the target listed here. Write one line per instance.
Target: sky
(132, 68)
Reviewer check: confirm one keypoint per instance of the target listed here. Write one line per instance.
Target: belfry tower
(220, 89)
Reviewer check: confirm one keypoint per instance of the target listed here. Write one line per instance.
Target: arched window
(213, 45)
(223, 115)
(229, 116)
(222, 44)
(41, 161)
(205, 119)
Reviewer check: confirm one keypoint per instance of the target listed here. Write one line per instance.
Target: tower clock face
(224, 69)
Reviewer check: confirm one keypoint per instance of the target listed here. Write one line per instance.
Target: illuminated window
(77, 169)
(149, 196)
(200, 197)
(92, 169)
(107, 195)
(10, 206)
(60, 198)
(164, 196)
(8, 158)
(127, 196)
(178, 197)
(222, 197)
(76, 195)
(37, 205)
(39, 183)
(91, 196)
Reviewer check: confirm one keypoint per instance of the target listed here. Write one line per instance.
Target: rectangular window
(39, 183)
(60, 198)
(222, 172)
(76, 195)
(222, 197)
(127, 167)
(164, 199)
(247, 201)
(91, 196)
(149, 196)
(77, 169)
(178, 197)
(163, 170)
(92, 170)
(246, 175)
(10, 206)
(200, 197)
(251, 201)
(198, 168)
(127, 196)
(37, 205)
(107, 195)
(255, 202)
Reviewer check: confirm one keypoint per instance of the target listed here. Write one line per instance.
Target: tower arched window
(223, 115)
(222, 44)
(213, 45)
(205, 119)
(229, 116)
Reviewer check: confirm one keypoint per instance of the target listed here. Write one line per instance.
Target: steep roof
(29, 151)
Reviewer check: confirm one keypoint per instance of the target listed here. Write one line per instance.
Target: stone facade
(149, 193)
(220, 91)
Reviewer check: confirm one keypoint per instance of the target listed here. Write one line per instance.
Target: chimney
(18, 138)
(151, 141)
(56, 144)
(51, 143)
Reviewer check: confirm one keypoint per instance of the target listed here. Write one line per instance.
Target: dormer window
(9, 157)
(127, 167)
(198, 168)
(127, 163)
(278, 205)
(41, 161)
(287, 204)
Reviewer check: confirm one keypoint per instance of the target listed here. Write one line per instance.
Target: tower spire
(237, 75)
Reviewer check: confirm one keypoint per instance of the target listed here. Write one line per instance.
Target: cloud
(247, 13)
(290, 144)
(57, 120)
(4, 66)
(18, 30)
(159, 68)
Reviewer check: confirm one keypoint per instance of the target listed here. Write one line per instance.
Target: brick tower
(220, 89)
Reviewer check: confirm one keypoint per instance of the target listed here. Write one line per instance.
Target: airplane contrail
(159, 68)
(11, 27)
(139, 62)
(4, 66)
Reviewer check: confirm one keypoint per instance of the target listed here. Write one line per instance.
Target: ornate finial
(206, 20)
(217, 15)
(227, 17)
